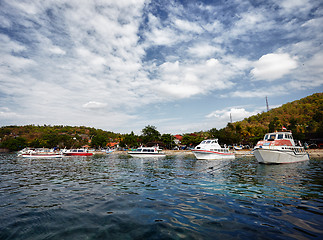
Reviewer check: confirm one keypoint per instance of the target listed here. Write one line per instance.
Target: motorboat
(77, 152)
(210, 149)
(238, 148)
(279, 147)
(147, 152)
(39, 153)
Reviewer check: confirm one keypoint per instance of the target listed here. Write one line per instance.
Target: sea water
(177, 197)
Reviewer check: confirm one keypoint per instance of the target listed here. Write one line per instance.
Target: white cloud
(273, 66)
(188, 26)
(94, 105)
(61, 60)
(204, 50)
(183, 80)
(57, 50)
(237, 114)
(6, 113)
(295, 5)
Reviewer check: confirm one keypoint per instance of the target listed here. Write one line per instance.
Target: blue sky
(182, 66)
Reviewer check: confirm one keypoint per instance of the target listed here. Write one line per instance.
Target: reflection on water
(177, 197)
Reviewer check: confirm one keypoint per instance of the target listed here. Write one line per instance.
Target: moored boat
(147, 152)
(77, 152)
(210, 149)
(279, 147)
(39, 153)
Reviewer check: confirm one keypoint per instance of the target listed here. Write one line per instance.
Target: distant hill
(303, 117)
(16, 137)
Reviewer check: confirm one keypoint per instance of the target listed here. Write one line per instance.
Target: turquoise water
(116, 197)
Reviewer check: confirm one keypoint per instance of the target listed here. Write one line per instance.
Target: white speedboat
(279, 147)
(147, 152)
(39, 153)
(211, 150)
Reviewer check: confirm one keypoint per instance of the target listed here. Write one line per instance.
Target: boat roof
(280, 133)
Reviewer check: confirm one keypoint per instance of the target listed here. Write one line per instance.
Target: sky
(181, 66)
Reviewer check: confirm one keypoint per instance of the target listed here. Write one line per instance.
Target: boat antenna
(230, 117)
(267, 104)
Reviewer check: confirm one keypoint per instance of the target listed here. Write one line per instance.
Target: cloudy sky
(182, 66)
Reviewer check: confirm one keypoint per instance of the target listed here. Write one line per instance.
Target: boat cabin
(278, 136)
(146, 150)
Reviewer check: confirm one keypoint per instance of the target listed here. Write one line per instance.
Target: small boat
(77, 152)
(238, 148)
(279, 147)
(39, 153)
(210, 149)
(147, 152)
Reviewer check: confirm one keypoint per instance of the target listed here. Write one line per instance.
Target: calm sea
(116, 197)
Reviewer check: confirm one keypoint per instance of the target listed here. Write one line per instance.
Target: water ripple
(177, 197)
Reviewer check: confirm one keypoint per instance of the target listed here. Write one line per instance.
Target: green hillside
(17, 137)
(303, 117)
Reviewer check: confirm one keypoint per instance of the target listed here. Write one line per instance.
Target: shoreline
(312, 152)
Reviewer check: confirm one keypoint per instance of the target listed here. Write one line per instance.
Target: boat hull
(276, 156)
(211, 155)
(41, 155)
(134, 154)
(78, 154)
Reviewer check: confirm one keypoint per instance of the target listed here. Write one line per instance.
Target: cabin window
(203, 142)
(207, 142)
(272, 137)
(266, 137)
(280, 136)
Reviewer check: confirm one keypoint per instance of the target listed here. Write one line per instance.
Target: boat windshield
(266, 136)
(288, 136)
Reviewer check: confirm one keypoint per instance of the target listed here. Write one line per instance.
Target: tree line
(303, 117)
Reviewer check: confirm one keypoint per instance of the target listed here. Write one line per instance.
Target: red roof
(179, 137)
(112, 144)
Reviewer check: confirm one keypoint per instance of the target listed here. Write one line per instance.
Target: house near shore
(178, 139)
(113, 144)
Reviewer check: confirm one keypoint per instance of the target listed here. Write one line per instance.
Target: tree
(213, 133)
(99, 141)
(167, 140)
(129, 140)
(191, 139)
(14, 144)
(150, 134)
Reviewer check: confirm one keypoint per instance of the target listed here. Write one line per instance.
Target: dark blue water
(115, 197)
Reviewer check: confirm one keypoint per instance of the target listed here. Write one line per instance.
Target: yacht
(279, 147)
(147, 152)
(210, 149)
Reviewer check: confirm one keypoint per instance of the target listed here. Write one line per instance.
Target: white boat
(279, 147)
(238, 148)
(39, 153)
(77, 152)
(210, 149)
(147, 152)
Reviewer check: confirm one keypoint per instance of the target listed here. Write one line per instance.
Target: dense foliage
(54, 136)
(303, 117)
